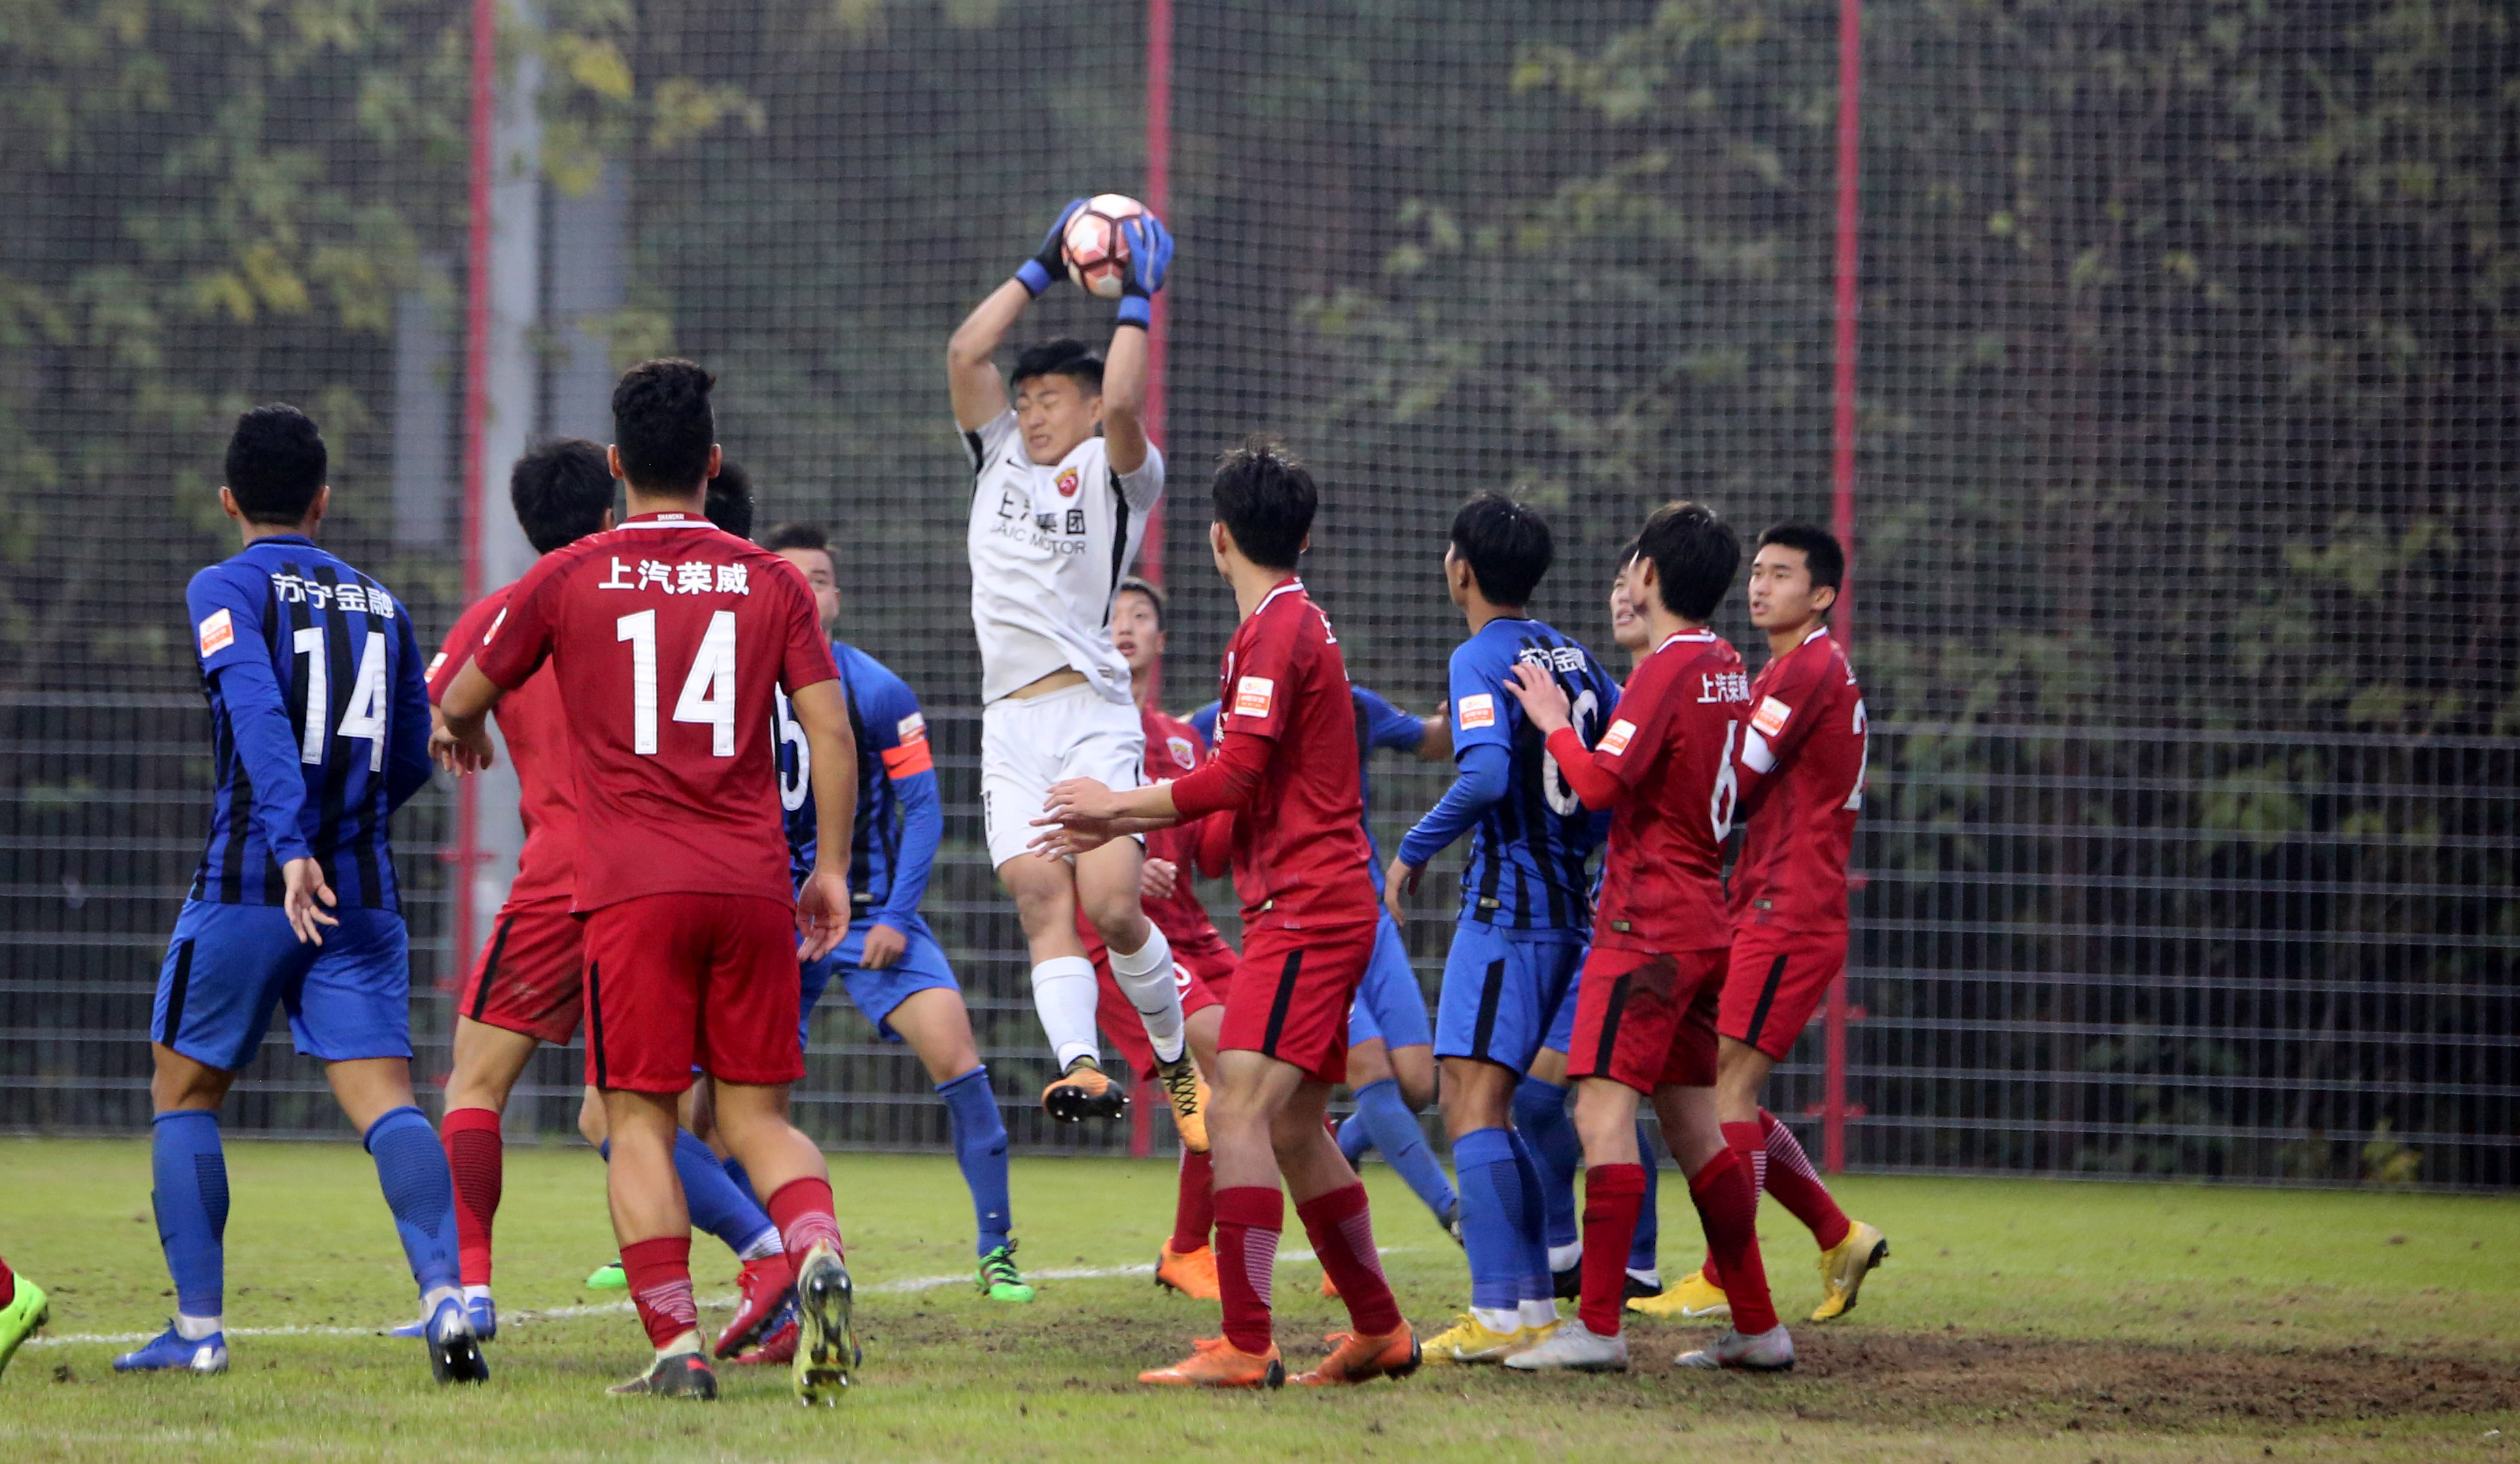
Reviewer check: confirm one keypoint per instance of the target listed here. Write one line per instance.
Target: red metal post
(1150, 559)
(477, 361)
(1850, 133)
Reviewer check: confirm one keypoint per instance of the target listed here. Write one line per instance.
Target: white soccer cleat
(1772, 1350)
(1573, 1348)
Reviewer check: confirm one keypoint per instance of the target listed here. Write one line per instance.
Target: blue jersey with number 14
(1528, 850)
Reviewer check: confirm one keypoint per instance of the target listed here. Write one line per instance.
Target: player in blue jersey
(890, 964)
(319, 730)
(1390, 1043)
(1526, 911)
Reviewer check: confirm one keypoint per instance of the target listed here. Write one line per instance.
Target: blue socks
(1354, 1137)
(411, 1167)
(1532, 1221)
(190, 1174)
(980, 1148)
(1383, 1120)
(1490, 1216)
(1539, 1115)
(1640, 1250)
(719, 1205)
(742, 1177)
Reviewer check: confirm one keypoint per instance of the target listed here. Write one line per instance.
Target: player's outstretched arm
(970, 367)
(1125, 364)
(823, 905)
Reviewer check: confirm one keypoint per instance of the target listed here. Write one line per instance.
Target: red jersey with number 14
(1299, 853)
(1670, 744)
(667, 637)
(1801, 766)
(536, 732)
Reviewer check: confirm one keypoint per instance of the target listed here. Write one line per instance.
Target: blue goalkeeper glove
(1044, 268)
(1150, 255)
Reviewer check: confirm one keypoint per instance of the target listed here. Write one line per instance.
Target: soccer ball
(1096, 252)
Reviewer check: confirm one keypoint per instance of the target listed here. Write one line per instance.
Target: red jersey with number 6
(1671, 744)
(536, 732)
(667, 637)
(1801, 769)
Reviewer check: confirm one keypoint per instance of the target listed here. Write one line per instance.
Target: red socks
(8, 1284)
(661, 1286)
(1790, 1177)
(1249, 1220)
(1751, 1148)
(1341, 1231)
(801, 1208)
(1614, 1195)
(1194, 1207)
(1729, 1207)
(474, 1154)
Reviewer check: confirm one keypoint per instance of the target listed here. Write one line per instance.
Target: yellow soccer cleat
(1843, 1267)
(1470, 1341)
(1187, 1092)
(1693, 1298)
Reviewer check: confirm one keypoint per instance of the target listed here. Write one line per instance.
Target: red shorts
(1292, 994)
(531, 975)
(678, 980)
(1647, 1019)
(1776, 982)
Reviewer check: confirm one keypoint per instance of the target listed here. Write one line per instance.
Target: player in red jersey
(1202, 961)
(1644, 1013)
(668, 639)
(1286, 766)
(1801, 769)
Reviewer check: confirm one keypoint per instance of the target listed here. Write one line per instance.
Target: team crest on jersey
(1183, 752)
(1069, 482)
(1770, 718)
(1253, 696)
(1615, 741)
(1479, 711)
(218, 633)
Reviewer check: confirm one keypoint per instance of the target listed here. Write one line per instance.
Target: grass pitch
(2017, 1320)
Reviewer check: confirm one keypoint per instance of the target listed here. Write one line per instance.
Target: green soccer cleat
(610, 1276)
(29, 1310)
(999, 1279)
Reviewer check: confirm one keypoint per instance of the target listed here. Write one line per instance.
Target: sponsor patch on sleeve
(1477, 711)
(1770, 718)
(435, 663)
(1615, 741)
(1253, 696)
(910, 728)
(218, 633)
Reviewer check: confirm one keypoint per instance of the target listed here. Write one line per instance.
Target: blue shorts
(1390, 1008)
(874, 993)
(1562, 1028)
(1506, 992)
(228, 966)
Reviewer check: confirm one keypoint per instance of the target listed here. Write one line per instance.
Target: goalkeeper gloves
(1150, 255)
(1045, 267)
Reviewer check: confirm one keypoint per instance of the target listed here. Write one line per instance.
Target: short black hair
(663, 425)
(276, 464)
(1822, 554)
(798, 536)
(1507, 546)
(1266, 500)
(1155, 593)
(1627, 556)
(1694, 555)
(728, 504)
(1066, 356)
(561, 490)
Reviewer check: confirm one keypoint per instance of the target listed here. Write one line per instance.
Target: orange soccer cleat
(1215, 1362)
(1329, 1288)
(1361, 1359)
(1192, 1273)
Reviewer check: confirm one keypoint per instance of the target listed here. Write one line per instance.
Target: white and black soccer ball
(1095, 250)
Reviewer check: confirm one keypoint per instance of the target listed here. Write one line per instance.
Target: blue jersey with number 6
(1528, 850)
(319, 723)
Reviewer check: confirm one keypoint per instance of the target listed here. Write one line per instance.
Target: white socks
(1146, 977)
(1063, 994)
(197, 1328)
(1538, 1313)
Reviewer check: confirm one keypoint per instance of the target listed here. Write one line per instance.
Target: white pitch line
(908, 1285)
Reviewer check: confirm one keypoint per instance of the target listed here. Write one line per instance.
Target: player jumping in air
(889, 963)
(1509, 977)
(24, 1312)
(1286, 767)
(1057, 515)
(526, 986)
(319, 728)
(1645, 1008)
(1801, 771)
(669, 638)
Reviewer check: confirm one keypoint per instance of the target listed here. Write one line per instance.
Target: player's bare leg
(791, 1175)
(1849, 1250)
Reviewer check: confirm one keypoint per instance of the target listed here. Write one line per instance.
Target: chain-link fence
(2186, 508)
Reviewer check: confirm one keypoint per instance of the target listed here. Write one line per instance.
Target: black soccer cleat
(454, 1349)
(682, 1375)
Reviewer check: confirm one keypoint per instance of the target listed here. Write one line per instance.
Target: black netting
(2183, 517)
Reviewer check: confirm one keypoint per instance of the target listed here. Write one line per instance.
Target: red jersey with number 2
(667, 637)
(1671, 744)
(536, 732)
(1801, 766)
(1299, 853)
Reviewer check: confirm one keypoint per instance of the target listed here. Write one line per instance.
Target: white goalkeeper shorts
(1028, 744)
